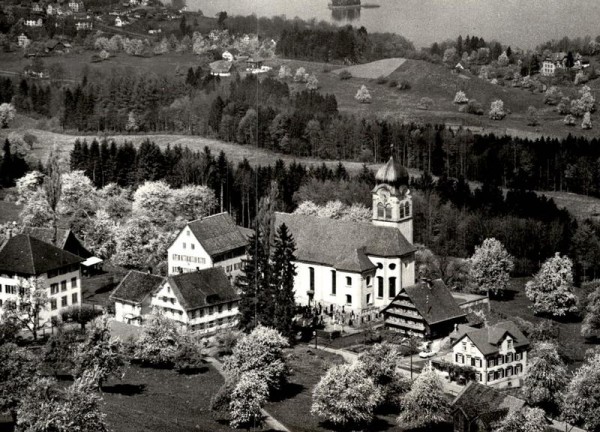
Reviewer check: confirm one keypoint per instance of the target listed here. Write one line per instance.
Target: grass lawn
(9, 211)
(158, 400)
(376, 69)
(570, 341)
(292, 407)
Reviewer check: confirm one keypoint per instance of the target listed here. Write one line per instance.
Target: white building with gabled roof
(213, 241)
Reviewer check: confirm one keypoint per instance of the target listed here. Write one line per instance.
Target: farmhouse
(426, 310)
(497, 353)
(26, 260)
(357, 266)
(203, 301)
(33, 22)
(221, 68)
(214, 241)
(477, 408)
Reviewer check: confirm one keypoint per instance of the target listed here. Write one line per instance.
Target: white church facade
(352, 266)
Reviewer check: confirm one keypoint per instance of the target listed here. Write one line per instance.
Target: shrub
(587, 121)
(461, 97)
(569, 120)
(363, 95)
(497, 110)
(425, 103)
(381, 80)
(472, 107)
(552, 96)
(404, 85)
(393, 83)
(345, 75)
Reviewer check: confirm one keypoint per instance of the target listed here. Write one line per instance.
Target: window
(392, 287)
(379, 266)
(187, 232)
(500, 359)
(73, 282)
(193, 246)
(333, 282)
(368, 280)
(518, 356)
(407, 209)
(500, 373)
(518, 369)
(509, 344)
(379, 287)
(509, 371)
(53, 304)
(388, 212)
(401, 211)
(348, 280)
(478, 377)
(392, 266)
(369, 300)
(184, 245)
(220, 308)
(459, 358)
(311, 273)
(348, 299)
(464, 345)
(509, 357)
(491, 363)
(54, 288)
(490, 376)
(210, 310)
(63, 285)
(11, 289)
(201, 313)
(229, 306)
(74, 299)
(379, 211)
(63, 301)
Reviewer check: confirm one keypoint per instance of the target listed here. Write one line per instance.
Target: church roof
(433, 301)
(219, 234)
(392, 173)
(344, 245)
(28, 255)
(65, 239)
(487, 339)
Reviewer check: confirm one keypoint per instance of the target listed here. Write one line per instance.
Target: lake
(519, 23)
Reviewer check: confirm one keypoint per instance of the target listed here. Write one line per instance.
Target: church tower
(392, 202)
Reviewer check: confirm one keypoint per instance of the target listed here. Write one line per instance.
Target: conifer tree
(284, 271)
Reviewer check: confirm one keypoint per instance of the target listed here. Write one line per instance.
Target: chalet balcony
(404, 312)
(405, 323)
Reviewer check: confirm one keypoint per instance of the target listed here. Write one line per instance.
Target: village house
(221, 68)
(76, 6)
(426, 310)
(33, 22)
(203, 301)
(25, 259)
(120, 21)
(83, 22)
(213, 241)
(477, 408)
(36, 7)
(358, 267)
(497, 353)
(22, 40)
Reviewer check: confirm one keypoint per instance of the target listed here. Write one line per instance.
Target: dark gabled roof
(202, 288)
(218, 234)
(433, 301)
(342, 244)
(136, 286)
(488, 338)
(27, 255)
(486, 403)
(65, 239)
(221, 66)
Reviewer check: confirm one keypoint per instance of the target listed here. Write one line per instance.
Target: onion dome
(392, 173)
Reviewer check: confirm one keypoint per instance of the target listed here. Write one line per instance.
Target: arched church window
(380, 211)
(401, 211)
(388, 212)
(407, 209)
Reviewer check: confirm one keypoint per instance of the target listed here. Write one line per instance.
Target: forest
(449, 217)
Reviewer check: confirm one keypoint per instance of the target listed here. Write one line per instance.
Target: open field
(158, 400)
(9, 212)
(376, 69)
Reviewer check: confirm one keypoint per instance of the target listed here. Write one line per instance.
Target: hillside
(440, 84)
(580, 206)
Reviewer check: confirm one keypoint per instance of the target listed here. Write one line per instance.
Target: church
(352, 266)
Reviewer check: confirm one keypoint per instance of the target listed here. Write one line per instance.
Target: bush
(345, 75)
(461, 98)
(404, 85)
(425, 103)
(472, 107)
(393, 83)
(381, 80)
(497, 110)
(569, 120)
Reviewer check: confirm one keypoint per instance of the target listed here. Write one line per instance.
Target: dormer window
(187, 232)
(509, 344)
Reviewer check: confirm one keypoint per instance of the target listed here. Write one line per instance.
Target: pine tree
(284, 271)
(251, 282)
(215, 114)
(6, 170)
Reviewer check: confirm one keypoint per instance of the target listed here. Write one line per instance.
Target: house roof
(30, 256)
(487, 339)
(486, 403)
(344, 245)
(202, 288)
(136, 286)
(62, 237)
(433, 301)
(221, 66)
(218, 234)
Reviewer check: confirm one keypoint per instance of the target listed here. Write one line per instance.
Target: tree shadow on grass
(504, 296)
(288, 391)
(125, 389)
(194, 371)
(377, 425)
